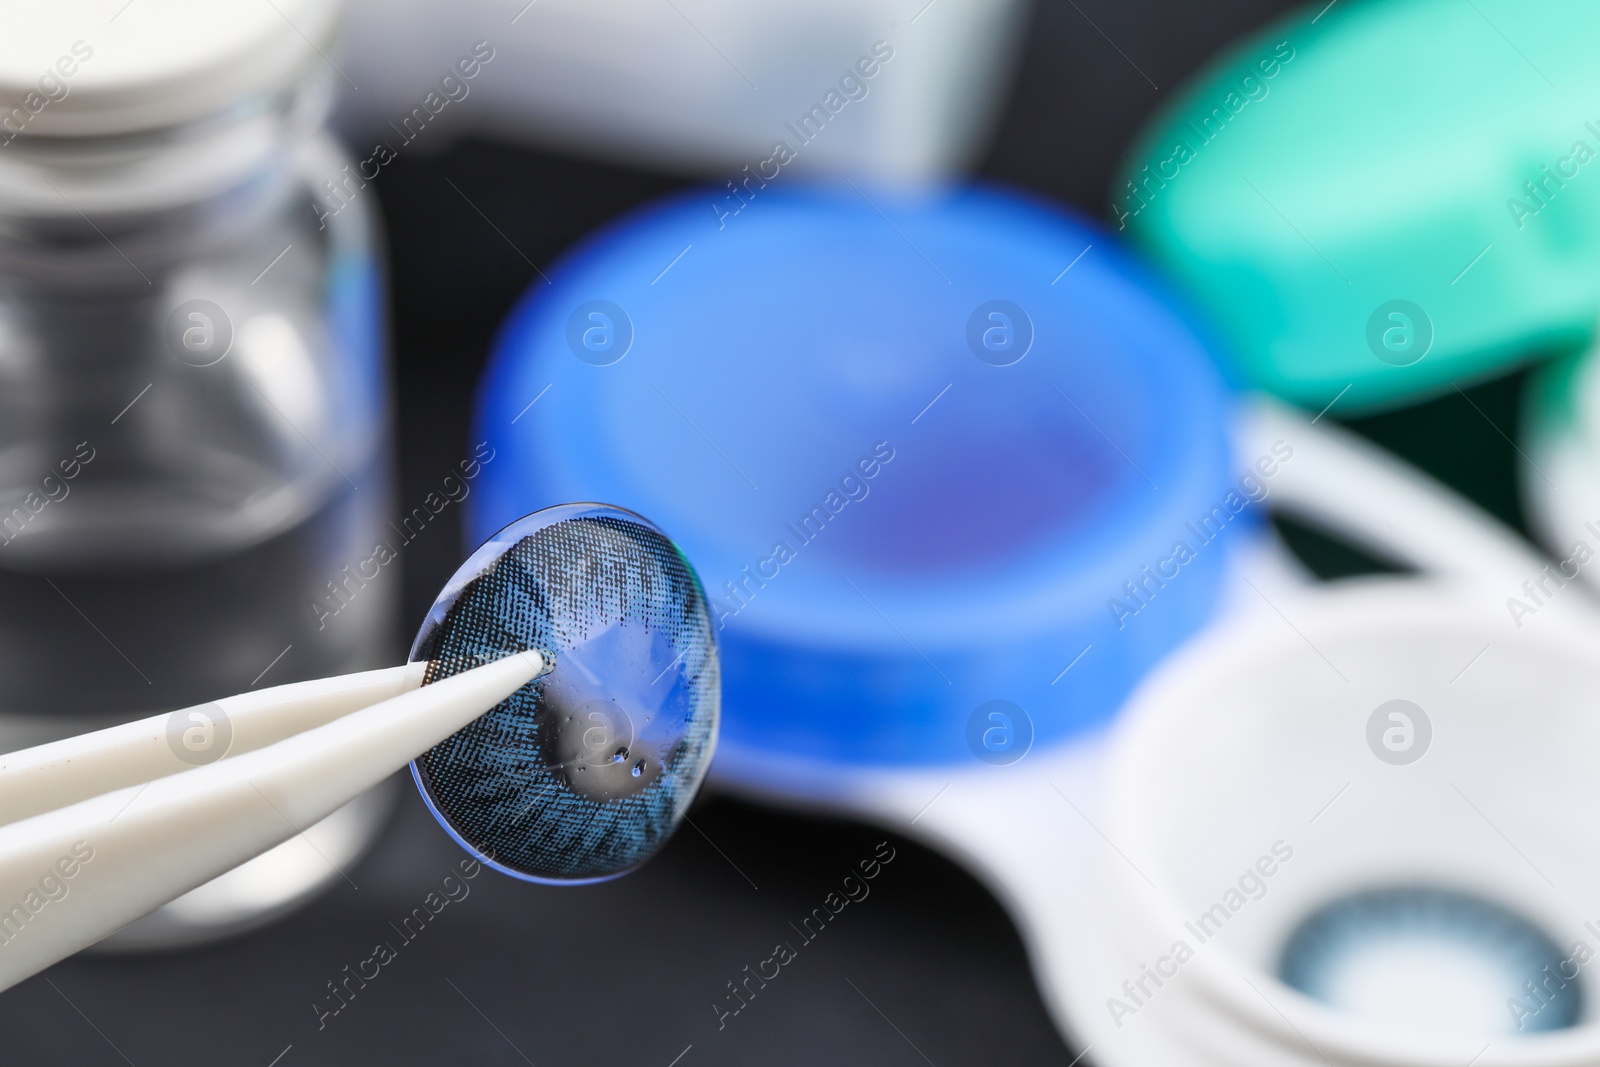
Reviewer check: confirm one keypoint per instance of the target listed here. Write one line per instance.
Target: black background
(626, 972)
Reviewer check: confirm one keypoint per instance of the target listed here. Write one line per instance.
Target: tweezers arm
(54, 775)
(70, 877)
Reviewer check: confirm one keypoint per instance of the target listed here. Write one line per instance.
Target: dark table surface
(627, 972)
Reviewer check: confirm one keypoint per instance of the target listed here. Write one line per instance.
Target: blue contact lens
(1436, 960)
(583, 773)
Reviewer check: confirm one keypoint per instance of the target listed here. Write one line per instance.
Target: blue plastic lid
(925, 453)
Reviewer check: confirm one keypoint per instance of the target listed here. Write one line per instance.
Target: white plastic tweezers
(100, 829)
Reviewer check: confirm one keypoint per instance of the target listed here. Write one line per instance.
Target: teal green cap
(1383, 199)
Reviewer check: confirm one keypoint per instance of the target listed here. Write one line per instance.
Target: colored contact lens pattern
(1436, 960)
(584, 772)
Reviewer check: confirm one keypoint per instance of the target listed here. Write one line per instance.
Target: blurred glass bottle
(193, 395)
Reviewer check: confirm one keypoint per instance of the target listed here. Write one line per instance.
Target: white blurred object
(1560, 477)
(1258, 741)
(90, 67)
(691, 85)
